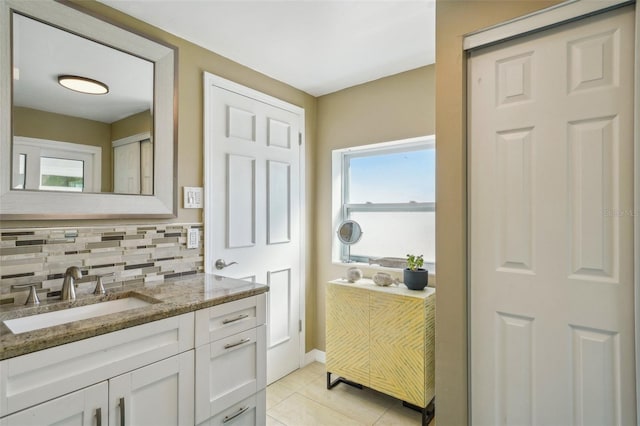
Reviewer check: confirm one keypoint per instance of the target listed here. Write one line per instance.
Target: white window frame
(340, 190)
(35, 148)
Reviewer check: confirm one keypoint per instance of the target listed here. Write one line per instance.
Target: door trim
(559, 14)
(565, 12)
(210, 80)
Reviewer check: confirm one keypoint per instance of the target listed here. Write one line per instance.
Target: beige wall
(397, 107)
(454, 18)
(39, 124)
(132, 125)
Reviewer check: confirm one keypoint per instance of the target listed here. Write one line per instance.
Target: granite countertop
(168, 298)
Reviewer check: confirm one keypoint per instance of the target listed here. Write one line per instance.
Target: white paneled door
(551, 230)
(253, 207)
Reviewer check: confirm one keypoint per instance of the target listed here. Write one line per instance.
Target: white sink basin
(63, 316)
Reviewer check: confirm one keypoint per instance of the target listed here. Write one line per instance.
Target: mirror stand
(349, 232)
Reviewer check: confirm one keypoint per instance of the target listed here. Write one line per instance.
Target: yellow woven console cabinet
(382, 338)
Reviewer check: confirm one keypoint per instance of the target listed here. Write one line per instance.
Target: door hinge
(300, 139)
(299, 326)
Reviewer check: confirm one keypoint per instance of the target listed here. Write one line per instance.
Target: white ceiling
(318, 46)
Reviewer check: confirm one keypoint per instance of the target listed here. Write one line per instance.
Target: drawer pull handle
(121, 404)
(98, 416)
(233, 345)
(234, 415)
(238, 318)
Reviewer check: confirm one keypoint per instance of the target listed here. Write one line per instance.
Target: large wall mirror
(88, 117)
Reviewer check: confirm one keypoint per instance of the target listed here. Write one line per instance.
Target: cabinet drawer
(248, 412)
(230, 318)
(229, 370)
(30, 379)
(79, 408)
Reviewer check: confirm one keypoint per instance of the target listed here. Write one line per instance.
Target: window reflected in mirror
(46, 165)
(61, 174)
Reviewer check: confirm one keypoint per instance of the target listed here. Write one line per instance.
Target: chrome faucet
(68, 284)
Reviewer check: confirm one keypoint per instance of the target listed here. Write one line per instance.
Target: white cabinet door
(229, 370)
(158, 394)
(86, 407)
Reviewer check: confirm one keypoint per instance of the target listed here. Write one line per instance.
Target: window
(55, 165)
(60, 174)
(389, 189)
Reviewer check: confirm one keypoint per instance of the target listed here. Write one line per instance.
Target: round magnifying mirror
(349, 232)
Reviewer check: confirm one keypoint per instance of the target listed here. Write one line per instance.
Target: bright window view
(389, 189)
(59, 174)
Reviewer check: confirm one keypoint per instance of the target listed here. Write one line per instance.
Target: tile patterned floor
(302, 399)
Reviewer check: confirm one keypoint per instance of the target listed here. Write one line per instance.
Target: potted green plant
(415, 277)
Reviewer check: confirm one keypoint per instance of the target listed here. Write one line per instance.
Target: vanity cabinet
(43, 375)
(382, 338)
(230, 359)
(204, 367)
(157, 394)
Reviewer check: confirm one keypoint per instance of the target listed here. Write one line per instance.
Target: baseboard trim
(315, 355)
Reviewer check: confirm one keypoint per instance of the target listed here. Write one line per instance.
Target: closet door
(126, 168)
(552, 249)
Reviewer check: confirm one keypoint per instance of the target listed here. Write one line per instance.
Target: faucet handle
(32, 298)
(100, 285)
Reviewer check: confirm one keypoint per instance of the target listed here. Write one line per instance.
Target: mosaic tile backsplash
(127, 255)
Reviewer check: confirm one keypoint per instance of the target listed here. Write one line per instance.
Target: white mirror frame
(34, 205)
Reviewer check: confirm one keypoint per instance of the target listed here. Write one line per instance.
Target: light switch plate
(192, 197)
(193, 238)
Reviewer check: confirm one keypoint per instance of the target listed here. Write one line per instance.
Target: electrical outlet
(192, 197)
(193, 238)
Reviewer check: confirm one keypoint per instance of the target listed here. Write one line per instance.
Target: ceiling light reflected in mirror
(83, 85)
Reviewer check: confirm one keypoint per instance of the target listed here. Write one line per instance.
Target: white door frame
(567, 11)
(223, 83)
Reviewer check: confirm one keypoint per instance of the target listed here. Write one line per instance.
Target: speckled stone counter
(168, 298)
